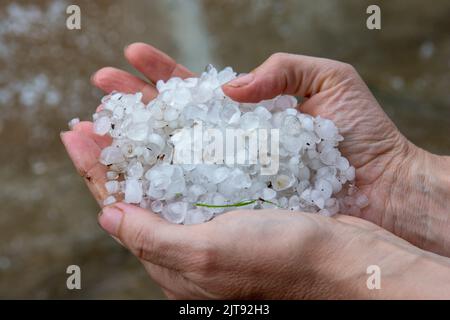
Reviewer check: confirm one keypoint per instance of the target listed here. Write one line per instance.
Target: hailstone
(143, 167)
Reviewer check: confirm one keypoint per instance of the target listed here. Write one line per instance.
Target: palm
(372, 142)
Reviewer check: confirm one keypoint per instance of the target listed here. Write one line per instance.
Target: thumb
(148, 236)
(285, 73)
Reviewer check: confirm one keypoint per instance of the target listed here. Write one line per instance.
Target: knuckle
(346, 68)
(278, 57)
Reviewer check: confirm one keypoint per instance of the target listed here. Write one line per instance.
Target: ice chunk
(111, 155)
(329, 156)
(350, 173)
(291, 126)
(283, 181)
(196, 216)
(171, 114)
(175, 212)
(72, 123)
(220, 174)
(133, 191)
(361, 200)
(326, 129)
(138, 131)
(249, 121)
(156, 206)
(102, 125)
(230, 113)
(135, 170)
(285, 101)
(268, 194)
(109, 200)
(112, 186)
(325, 188)
(112, 175)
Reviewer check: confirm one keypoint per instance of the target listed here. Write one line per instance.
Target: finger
(150, 237)
(84, 152)
(86, 127)
(290, 74)
(111, 79)
(154, 64)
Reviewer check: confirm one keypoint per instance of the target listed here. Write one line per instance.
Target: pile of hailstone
(313, 176)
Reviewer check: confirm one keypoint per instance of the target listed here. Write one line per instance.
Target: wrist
(405, 271)
(420, 200)
(411, 273)
(426, 276)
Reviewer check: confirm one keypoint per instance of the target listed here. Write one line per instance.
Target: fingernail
(93, 76)
(241, 81)
(62, 137)
(110, 219)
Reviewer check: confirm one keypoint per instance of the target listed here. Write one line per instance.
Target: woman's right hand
(407, 187)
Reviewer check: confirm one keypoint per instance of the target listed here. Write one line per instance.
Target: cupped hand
(266, 254)
(270, 254)
(408, 188)
(333, 90)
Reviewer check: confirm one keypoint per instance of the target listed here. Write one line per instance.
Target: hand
(84, 148)
(273, 254)
(408, 188)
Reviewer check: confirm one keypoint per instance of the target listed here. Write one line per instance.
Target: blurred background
(47, 216)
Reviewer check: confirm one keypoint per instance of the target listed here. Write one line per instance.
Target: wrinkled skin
(334, 90)
(271, 254)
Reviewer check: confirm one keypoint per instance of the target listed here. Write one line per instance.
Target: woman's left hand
(275, 254)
